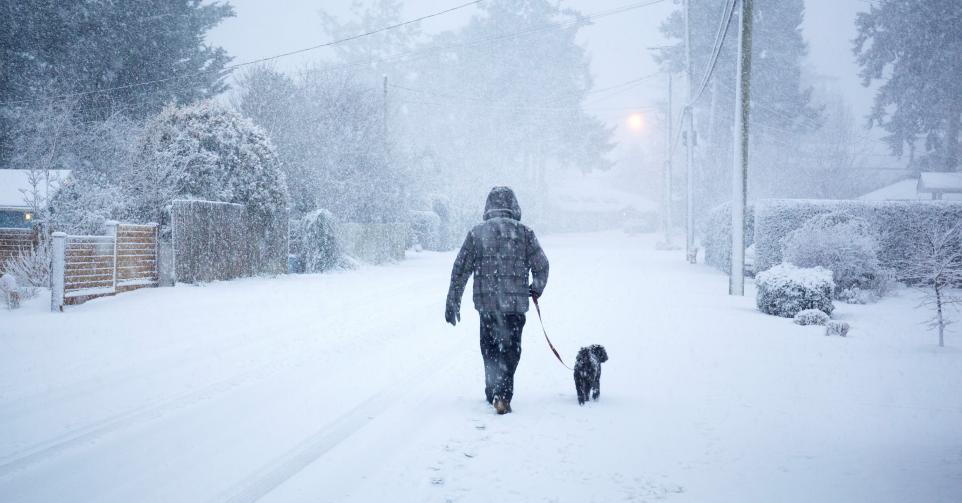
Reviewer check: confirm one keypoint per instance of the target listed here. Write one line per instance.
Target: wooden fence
(85, 267)
(13, 241)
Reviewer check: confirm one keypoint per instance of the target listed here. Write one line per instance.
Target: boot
(501, 407)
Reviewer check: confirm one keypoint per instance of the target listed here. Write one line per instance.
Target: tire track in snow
(76, 438)
(199, 356)
(270, 476)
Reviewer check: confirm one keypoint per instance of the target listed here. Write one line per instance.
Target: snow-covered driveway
(349, 387)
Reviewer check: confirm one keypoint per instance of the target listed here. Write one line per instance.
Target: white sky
(616, 43)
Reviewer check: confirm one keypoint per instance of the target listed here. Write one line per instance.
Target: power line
(231, 68)
(620, 87)
(720, 36)
(521, 108)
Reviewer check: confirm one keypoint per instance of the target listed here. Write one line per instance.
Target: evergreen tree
(50, 47)
(915, 48)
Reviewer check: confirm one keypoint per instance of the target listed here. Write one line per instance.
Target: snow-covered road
(349, 387)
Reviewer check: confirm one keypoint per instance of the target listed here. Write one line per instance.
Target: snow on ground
(349, 387)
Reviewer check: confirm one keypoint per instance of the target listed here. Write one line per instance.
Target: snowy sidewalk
(349, 387)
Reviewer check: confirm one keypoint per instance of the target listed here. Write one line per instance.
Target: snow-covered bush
(845, 245)
(9, 291)
(717, 235)
(13, 292)
(901, 224)
(31, 266)
(811, 317)
(785, 290)
(426, 230)
(834, 327)
(319, 250)
(84, 204)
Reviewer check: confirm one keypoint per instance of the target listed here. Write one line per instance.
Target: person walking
(499, 252)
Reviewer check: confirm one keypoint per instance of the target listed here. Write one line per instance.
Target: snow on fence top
(899, 224)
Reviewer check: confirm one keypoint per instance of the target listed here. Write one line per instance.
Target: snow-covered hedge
(717, 235)
(785, 290)
(899, 223)
(217, 241)
(811, 317)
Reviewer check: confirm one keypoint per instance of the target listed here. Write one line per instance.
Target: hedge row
(899, 223)
(717, 235)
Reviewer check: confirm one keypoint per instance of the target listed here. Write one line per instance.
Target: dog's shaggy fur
(588, 372)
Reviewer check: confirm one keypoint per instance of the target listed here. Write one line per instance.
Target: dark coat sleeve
(538, 263)
(463, 267)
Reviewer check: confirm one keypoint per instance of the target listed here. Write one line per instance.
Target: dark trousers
(501, 350)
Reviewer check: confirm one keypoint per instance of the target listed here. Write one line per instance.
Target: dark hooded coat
(500, 253)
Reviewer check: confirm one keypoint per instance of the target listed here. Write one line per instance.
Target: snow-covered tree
(936, 267)
(474, 107)
(203, 151)
(913, 48)
(329, 129)
(53, 48)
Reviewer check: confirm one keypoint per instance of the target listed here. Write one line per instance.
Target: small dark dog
(588, 372)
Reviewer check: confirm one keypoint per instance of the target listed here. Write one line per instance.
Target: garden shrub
(785, 290)
(318, 246)
(843, 244)
(811, 317)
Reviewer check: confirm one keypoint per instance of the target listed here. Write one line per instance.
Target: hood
(502, 203)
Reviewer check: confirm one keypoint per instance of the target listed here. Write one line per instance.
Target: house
(16, 189)
(940, 184)
(928, 186)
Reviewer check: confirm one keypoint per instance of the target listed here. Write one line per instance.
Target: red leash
(550, 345)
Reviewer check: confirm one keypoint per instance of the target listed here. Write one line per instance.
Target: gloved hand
(452, 314)
(534, 295)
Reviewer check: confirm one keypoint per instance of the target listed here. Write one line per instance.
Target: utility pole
(743, 74)
(384, 132)
(690, 251)
(667, 171)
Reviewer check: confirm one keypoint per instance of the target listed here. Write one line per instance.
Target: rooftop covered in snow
(923, 188)
(938, 184)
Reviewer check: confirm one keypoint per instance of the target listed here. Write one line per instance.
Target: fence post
(112, 231)
(57, 270)
(156, 228)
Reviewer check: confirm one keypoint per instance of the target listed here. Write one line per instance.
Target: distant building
(14, 189)
(940, 185)
(928, 186)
